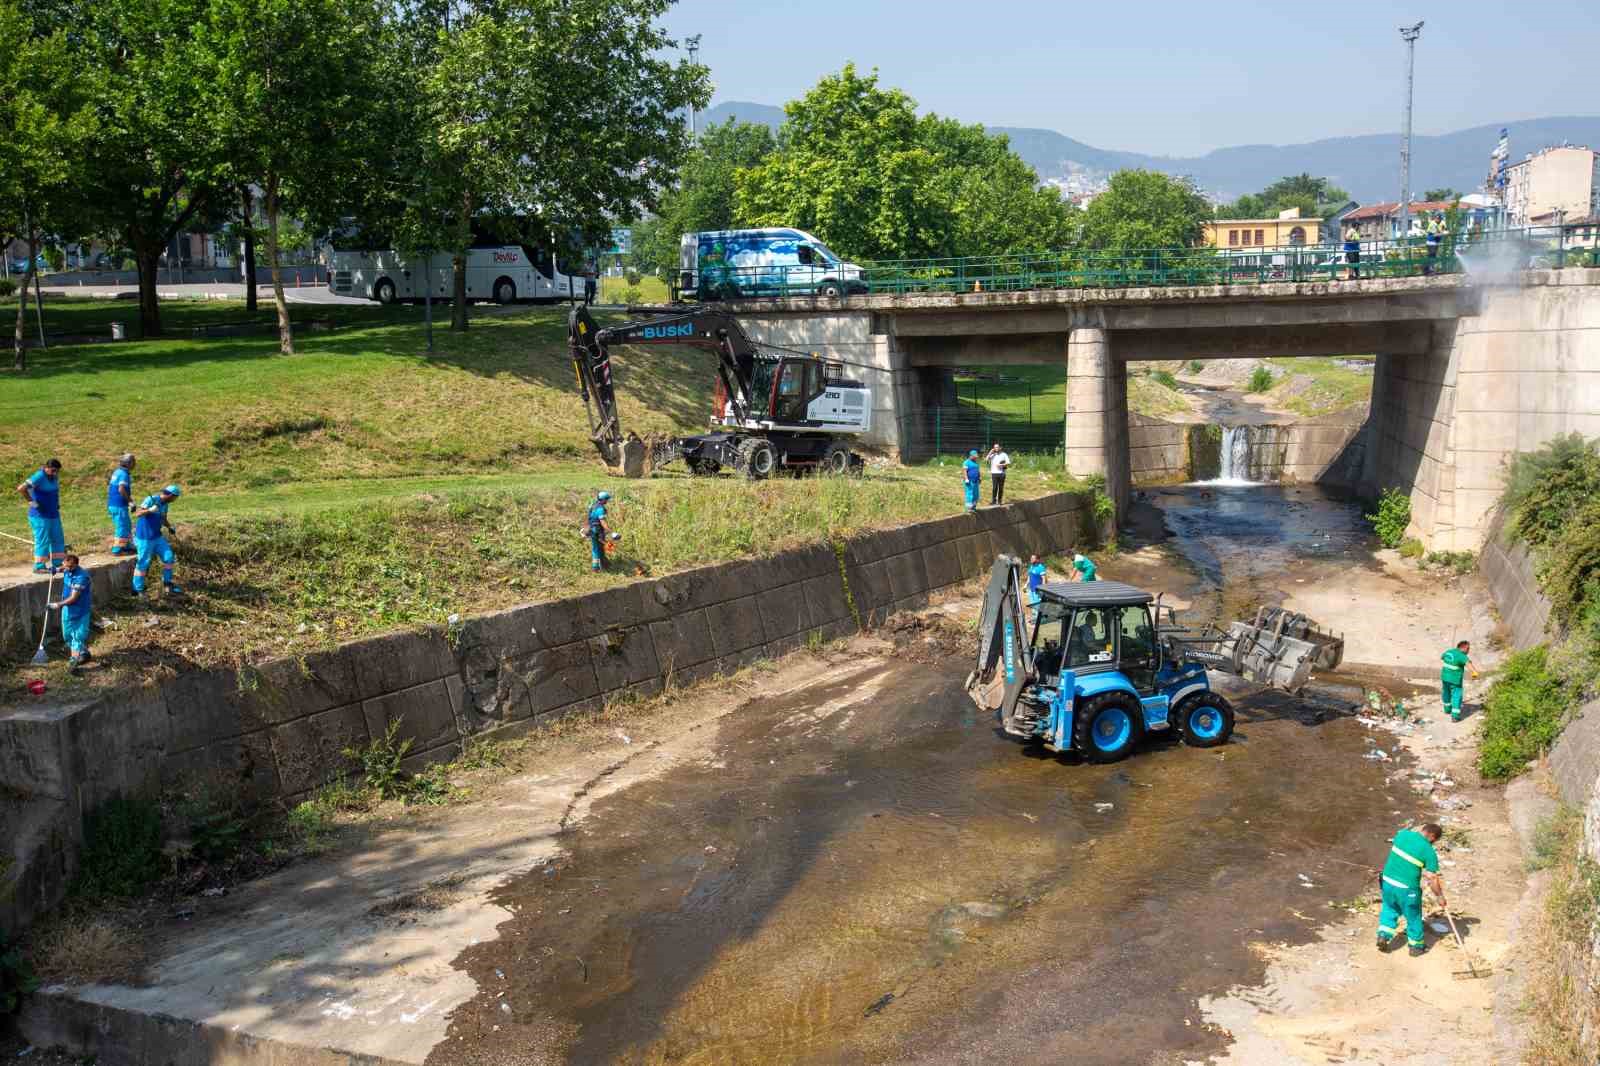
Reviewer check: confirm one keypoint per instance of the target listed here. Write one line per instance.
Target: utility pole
(693, 44)
(1409, 34)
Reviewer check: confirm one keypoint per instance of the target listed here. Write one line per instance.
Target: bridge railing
(1548, 246)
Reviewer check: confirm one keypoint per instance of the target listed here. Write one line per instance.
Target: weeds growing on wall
(1562, 1013)
(1546, 489)
(121, 850)
(1393, 515)
(1522, 714)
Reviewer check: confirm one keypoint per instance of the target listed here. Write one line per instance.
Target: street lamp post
(1409, 34)
(693, 44)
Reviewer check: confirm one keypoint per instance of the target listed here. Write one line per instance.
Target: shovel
(1473, 970)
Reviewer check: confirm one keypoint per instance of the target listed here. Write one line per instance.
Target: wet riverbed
(867, 872)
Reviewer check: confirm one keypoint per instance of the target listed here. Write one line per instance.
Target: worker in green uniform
(1083, 568)
(1411, 859)
(1456, 660)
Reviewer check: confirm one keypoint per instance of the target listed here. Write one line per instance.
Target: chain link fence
(935, 431)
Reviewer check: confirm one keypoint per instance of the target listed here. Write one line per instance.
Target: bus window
(540, 258)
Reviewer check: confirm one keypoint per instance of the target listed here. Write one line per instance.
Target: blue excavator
(1095, 666)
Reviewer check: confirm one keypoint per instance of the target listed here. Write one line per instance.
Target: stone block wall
(275, 733)
(1158, 451)
(22, 604)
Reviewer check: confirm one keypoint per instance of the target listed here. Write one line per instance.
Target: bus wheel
(383, 291)
(504, 291)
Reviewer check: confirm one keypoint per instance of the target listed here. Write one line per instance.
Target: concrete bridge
(1466, 374)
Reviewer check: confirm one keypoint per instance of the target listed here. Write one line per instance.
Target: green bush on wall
(1392, 517)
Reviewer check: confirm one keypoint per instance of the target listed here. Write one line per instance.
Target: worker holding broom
(1411, 861)
(75, 606)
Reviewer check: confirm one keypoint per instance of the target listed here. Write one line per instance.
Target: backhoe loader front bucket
(633, 454)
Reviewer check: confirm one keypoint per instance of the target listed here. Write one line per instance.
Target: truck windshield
(826, 252)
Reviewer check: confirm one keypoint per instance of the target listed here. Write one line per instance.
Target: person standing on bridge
(1411, 861)
(1435, 230)
(999, 461)
(119, 498)
(1352, 252)
(1457, 660)
(972, 478)
(42, 490)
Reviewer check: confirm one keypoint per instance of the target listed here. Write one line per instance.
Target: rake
(1473, 970)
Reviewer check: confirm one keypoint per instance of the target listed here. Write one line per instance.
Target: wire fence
(935, 431)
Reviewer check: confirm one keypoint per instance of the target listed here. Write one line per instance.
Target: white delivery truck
(504, 273)
(735, 263)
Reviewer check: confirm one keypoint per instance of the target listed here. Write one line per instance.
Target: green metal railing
(953, 430)
(1501, 251)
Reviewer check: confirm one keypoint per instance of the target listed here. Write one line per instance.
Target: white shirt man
(998, 462)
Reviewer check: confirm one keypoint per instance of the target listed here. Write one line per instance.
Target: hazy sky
(1171, 77)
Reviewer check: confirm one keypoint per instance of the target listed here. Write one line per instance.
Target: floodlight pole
(1409, 34)
(693, 44)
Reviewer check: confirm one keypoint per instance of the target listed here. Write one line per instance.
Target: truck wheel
(383, 291)
(505, 291)
(837, 458)
(1204, 719)
(757, 458)
(1107, 726)
(828, 288)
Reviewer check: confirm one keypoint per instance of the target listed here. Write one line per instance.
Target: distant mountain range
(1368, 166)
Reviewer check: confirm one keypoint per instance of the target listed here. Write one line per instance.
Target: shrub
(1260, 380)
(1389, 522)
(7, 287)
(1195, 366)
(1569, 572)
(380, 762)
(1547, 488)
(633, 279)
(1410, 548)
(1165, 377)
(1522, 714)
(121, 850)
(1456, 562)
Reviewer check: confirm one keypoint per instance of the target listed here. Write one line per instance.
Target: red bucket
(36, 687)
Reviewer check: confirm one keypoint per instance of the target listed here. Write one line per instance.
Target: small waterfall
(1235, 454)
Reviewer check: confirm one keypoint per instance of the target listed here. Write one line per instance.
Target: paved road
(305, 294)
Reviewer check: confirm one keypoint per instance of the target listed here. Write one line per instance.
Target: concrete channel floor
(832, 862)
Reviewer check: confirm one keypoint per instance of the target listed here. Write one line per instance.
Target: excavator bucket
(633, 453)
(996, 681)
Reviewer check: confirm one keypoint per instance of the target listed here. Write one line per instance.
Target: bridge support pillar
(1097, 412)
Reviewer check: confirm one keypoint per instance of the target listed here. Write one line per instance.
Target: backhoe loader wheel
(1106, 727)
(837, 458)
(1204, 719)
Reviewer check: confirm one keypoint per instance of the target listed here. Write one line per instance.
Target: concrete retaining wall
(1508, 569)
(275, 733)
(1158, 451)
(1328, 450)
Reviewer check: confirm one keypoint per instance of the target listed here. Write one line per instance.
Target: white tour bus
(504, 273)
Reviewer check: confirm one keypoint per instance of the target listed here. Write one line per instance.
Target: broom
(39, 657)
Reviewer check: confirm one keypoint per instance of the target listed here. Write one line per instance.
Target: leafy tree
(1143, 209)
(540, 119)
(1315, 197)
(1444, 194)
(857, 167)
(45, 122)
(155, 156)
(286, 84)
(704, 196)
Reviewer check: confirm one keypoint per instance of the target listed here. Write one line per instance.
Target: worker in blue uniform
(595, 528)
(1036, 576)
(42, 490)
(150, 523)
(119, 500)
(973, 475)
(75, 604)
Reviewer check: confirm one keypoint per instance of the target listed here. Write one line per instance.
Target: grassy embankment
(363, 484)
(1552, 502)
(1040, 393)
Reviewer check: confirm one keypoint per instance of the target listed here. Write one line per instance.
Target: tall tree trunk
(19, 358)
(248, 215)
(285, 329)
(147, 255)
(458, 310)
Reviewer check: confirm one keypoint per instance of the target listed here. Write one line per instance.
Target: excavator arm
(714, 331)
